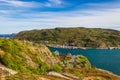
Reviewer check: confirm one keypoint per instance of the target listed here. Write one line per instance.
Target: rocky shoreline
(108, 72)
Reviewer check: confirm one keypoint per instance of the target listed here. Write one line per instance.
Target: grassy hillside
(85, 37)
(24, 57)
(33, 61)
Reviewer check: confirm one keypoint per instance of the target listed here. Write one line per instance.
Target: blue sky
(18, 15)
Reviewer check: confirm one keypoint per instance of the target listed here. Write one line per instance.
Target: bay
(100, 58)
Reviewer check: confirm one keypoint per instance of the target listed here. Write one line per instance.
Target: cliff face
(24, 56)
(85, 37)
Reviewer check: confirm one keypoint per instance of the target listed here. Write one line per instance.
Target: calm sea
(100, 58)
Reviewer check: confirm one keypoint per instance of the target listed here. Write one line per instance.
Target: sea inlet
(101, 58)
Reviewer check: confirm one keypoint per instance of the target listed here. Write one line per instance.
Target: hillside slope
(24, 57)
(27, 61)
(85, 37)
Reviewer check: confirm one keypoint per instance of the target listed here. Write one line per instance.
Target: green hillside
(22, 60)
(24, 57)
(83, 37)
(27, 58)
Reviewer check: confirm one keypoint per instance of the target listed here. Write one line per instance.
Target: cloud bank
(23, 15)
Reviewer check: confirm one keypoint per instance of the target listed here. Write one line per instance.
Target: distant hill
(85, 37)
(7, 35)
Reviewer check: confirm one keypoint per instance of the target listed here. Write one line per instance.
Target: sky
(18, 15)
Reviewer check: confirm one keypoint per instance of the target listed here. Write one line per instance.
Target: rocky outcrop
(4, 71)
(58, 75)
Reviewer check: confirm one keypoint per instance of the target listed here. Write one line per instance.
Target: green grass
(24, 57)
(31, 64)
(86, 37)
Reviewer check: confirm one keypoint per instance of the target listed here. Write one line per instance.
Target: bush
(56, 68)
(43, 68)
(82, 62)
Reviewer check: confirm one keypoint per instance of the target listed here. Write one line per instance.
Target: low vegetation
(34, 61)
(24, 57)
(81, 37)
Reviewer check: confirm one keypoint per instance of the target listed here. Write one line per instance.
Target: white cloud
(16, 3)
(56, 1)
(98, 18)
(103, 19)
(4, 11)
(31, 4)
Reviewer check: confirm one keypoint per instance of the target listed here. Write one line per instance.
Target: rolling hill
(81, 37)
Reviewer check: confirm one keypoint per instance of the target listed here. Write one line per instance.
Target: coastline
(82, 48)
(107, 72)
(95, 68)
(64, 46)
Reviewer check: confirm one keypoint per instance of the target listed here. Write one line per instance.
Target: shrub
(43, 68)
(56, 68)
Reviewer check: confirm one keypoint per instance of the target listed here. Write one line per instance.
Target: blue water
(100, 58)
